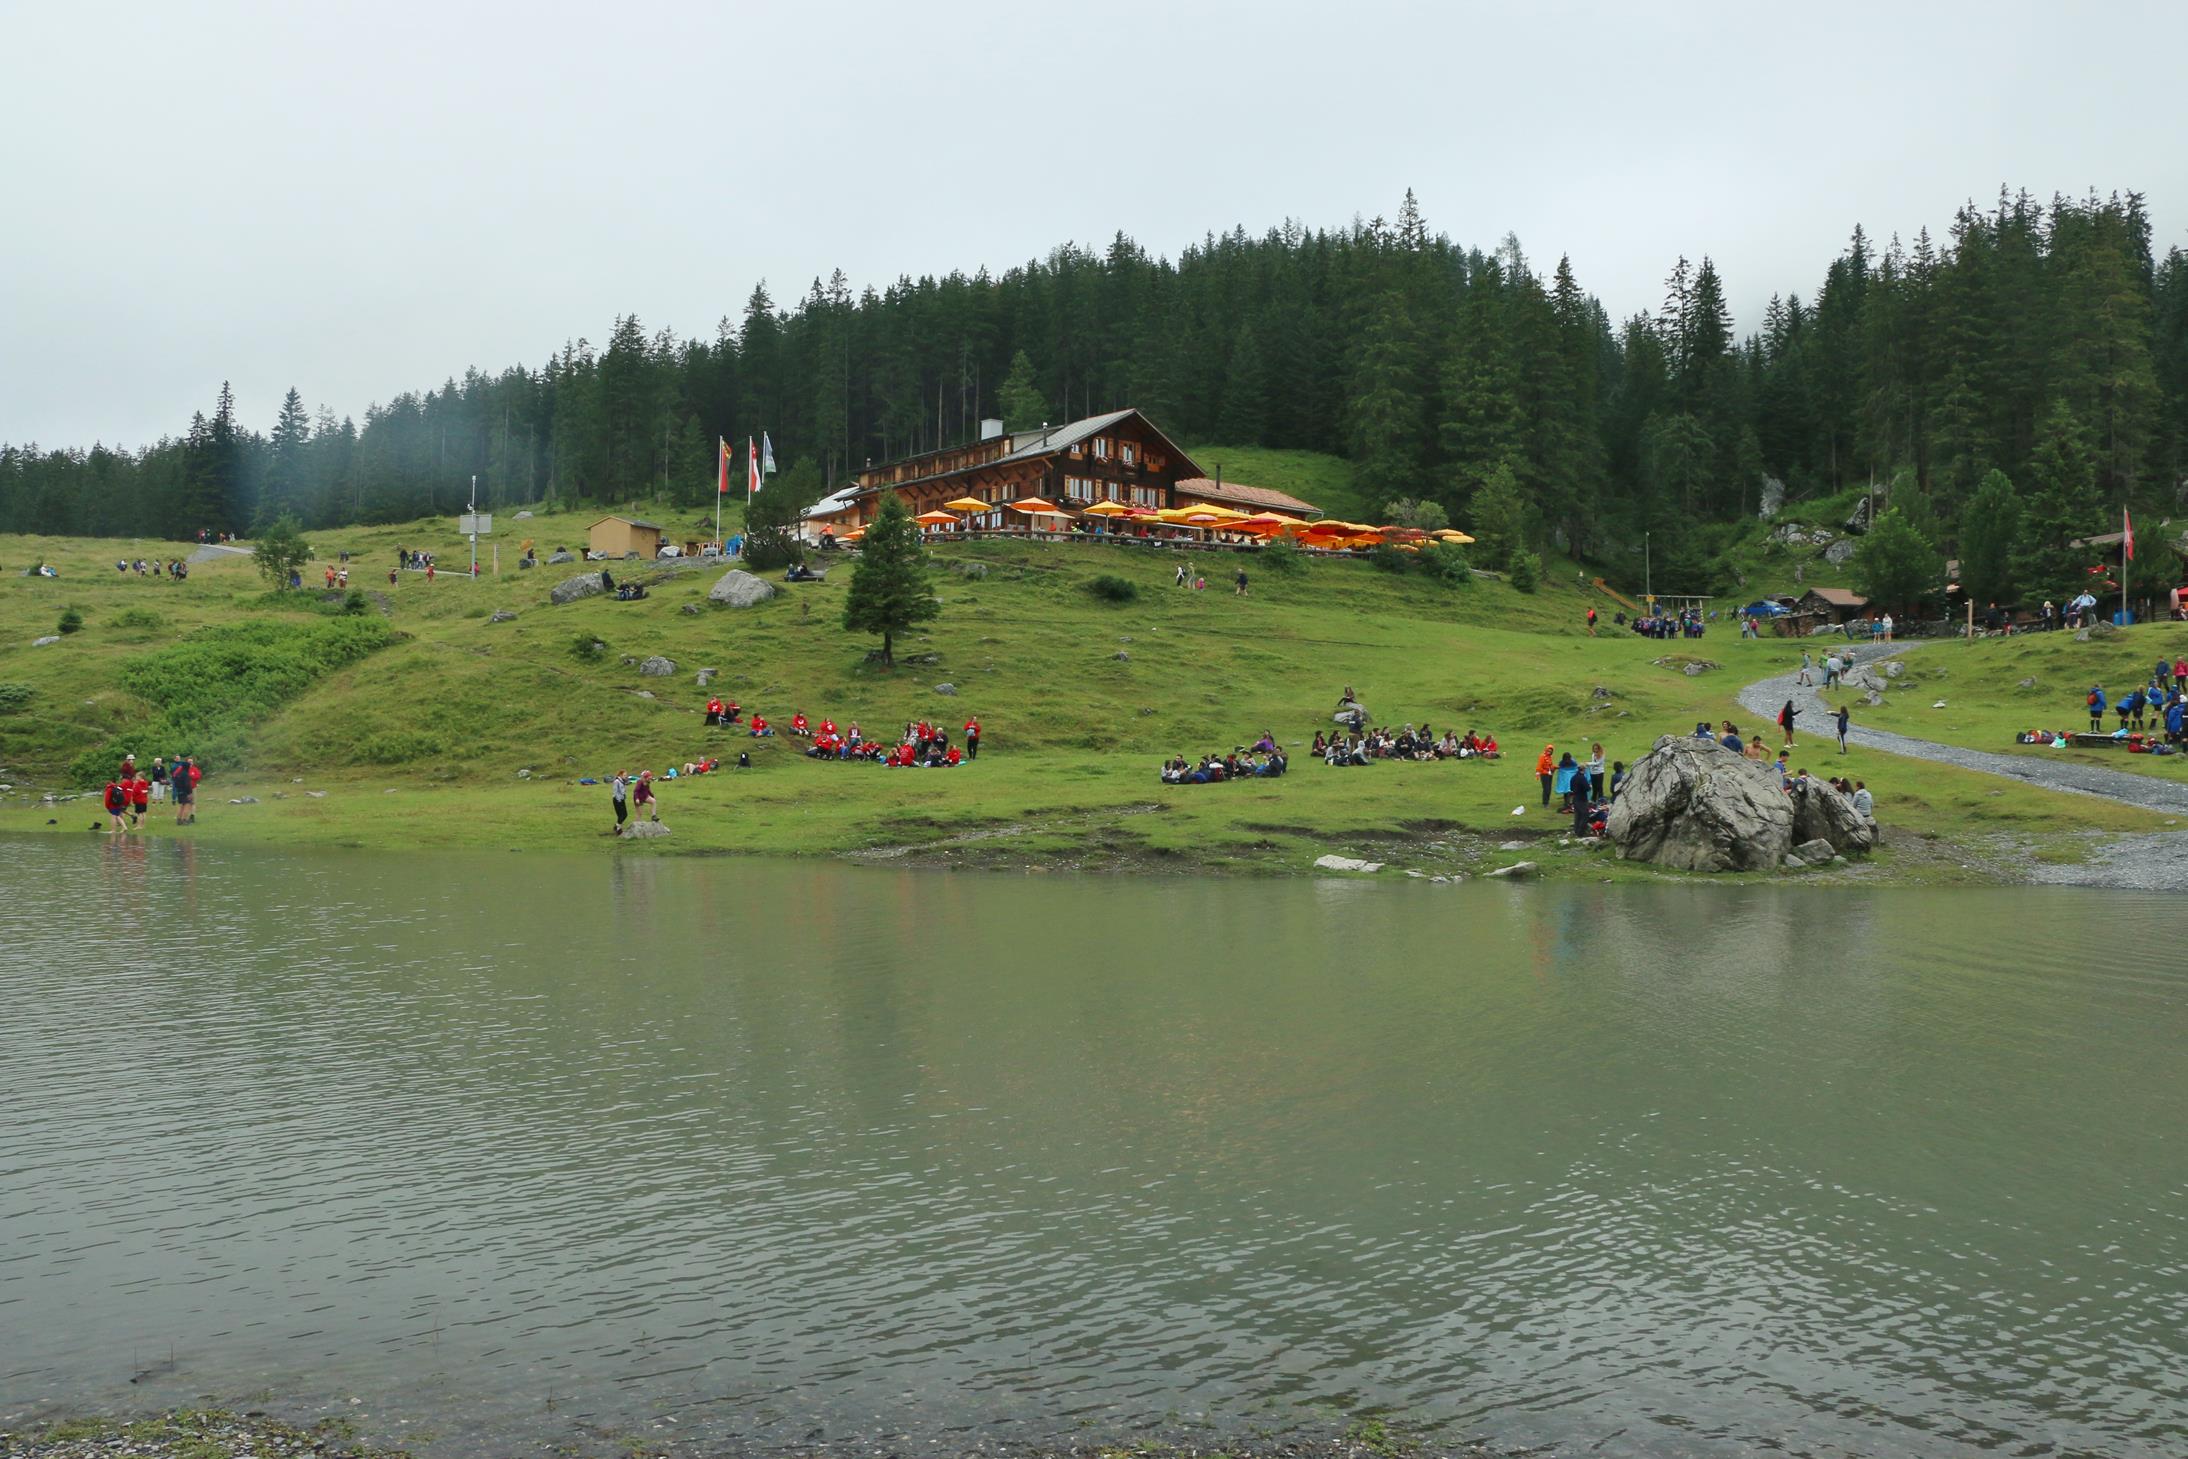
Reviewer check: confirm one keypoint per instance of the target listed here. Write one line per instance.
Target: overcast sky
(359, 199)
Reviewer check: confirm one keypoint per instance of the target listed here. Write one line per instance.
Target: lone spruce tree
(889, 586)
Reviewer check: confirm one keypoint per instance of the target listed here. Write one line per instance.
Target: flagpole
(2127, 555)
(721, 469)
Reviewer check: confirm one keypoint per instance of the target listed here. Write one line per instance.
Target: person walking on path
(619, 792)
(1546, 770)
(1843, 719)
(1786, 716)
(1807, 673)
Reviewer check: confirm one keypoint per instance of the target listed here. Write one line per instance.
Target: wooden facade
(622, 536)
(1119, 456)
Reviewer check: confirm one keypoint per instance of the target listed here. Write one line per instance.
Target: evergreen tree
(889, 592)
(1024, 407)
(285, 471)
(1990, 529)
(1388, 427)
(1503, 522)
(2061, 509)
(1245, 415)
(280, 551)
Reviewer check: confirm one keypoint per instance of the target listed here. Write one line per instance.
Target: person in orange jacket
(1546, 771)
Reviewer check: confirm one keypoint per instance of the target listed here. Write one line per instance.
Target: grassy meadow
(414, 718)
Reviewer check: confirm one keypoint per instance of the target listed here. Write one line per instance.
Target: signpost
(474, 522)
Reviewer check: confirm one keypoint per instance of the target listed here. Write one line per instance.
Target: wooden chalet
(1831, 605)
(1120, 456)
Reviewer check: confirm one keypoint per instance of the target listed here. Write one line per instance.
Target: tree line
(2042, 346)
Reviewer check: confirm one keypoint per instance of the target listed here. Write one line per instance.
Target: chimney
(990, 428)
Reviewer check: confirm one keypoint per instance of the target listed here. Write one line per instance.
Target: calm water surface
(498, 1146)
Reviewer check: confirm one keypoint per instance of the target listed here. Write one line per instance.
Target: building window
(1131, 452)
(1101, 448)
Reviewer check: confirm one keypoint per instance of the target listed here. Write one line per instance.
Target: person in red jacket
(759, 726)
(140, 797)
(117, 804)
(714, 710)
(185, 777)
(799, 726)
(972, 739)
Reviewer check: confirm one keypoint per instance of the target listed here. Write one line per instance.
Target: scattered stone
(645, 694)
(1872, 698)
(1839, 553)
(524, 516)
(689, 610)
(1814, 853)
(1694, 805)
(946, 689)
(524, 774)
(973, 570)
(1122, 657)
(740, 589)
(42, 642)
(316, 794)
(657, 667)
(1513, 846)
(1699, 666)
(1893, 668)
(2026, 684)
(502, 615)
(643, 830)
(1940, 704)
(630, 661)
(1792, 863)
(704, 677)
(1346, 863)
(244, 800)
(1773, 498)
(1599, 692)
(562, 555)
(569, 590)
(1517, 868)
(1412, 873)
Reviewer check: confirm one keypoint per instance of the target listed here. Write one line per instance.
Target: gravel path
(215, 551)
(2156, 862)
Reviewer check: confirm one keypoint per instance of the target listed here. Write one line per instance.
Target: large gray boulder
(569, 590)
(562, 555)
(657, 667)
(1822, 814)
(643, 830)
(1697, 806)
(740, 589)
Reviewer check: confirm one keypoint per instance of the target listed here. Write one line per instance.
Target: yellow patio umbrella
(1107, 509)
(935, 519)
(965, 504)
(1210, 508)
(1453, 534)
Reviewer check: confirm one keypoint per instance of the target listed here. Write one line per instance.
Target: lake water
(505, 1148)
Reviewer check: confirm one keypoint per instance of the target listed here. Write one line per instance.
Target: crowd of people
(134, 790)
(1684, 624)
(2153, 716)
(174, 568)
(1359, 747)
(1260, 762)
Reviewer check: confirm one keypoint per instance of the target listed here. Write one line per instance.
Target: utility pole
(474, 525)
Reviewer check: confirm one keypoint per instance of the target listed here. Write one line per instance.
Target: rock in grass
(562, 555)
(1822, 815)
(657, 667)
(502, 615)
(1815, 853)
(42, 642)
(689, 610)
(1697, 806)
(946, 689)
(569, 590)
(740, 589)
(244, 800)
(644, 830)
(1516, 869)
(705, 677)
(1346, 863)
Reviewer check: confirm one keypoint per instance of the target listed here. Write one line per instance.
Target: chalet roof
(1838, 597)
(1262, 497)
(1030, 445)
(836, 501)
(630, 522)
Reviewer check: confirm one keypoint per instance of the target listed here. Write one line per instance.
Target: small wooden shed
(622, 536)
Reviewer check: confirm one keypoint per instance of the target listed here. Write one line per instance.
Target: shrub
(210, 688)
(587, 647)
(1281, 556)
(397, 747)
(355, 602)
(1525, 572)
(138, 618)
(71, 621)
(1427, 515)
(1113, 589)
(1387, 558)
(14, 697)
(1446, 563)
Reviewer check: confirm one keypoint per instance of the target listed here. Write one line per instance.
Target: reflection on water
(786, 1150)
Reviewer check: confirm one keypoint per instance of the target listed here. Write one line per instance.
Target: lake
(496, 1149)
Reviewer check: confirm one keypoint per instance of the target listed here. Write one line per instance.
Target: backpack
(2092, 699)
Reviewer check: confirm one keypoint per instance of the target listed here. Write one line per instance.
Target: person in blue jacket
(2130, 706)
(2175, 716)
(2096, 709)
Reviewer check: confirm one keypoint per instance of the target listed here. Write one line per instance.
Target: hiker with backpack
(2096, 709)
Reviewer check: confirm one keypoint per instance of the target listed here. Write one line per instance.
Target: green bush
(14, 697)
(1446, 563)
(1387, 558)
(138, 618)
(71, 621)
(397, 747)
(1282, 556)
(355, 602)
(587, 647)
(1525, 572)
(209, 689)
(1113, 589)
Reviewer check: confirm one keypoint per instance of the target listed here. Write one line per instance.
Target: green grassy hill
(417, 737)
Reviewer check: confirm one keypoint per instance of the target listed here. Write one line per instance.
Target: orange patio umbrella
(966, 504)
(1032, 504)
(935, 519)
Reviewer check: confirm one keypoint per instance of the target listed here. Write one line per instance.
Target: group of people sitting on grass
(1261, 762)
(921, 744)
(1360, 747)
